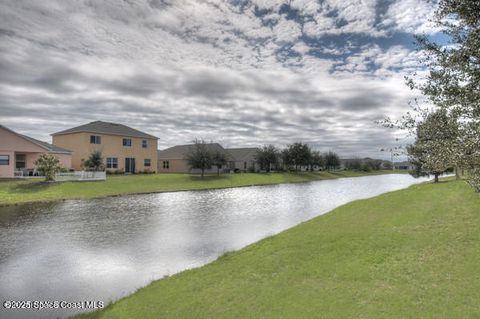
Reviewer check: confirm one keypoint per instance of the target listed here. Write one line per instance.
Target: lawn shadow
(32, 187)
(8, 180)
(207, 178)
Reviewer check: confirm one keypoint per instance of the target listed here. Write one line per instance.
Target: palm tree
(94, 161)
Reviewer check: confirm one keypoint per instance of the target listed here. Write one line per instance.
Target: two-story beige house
(123, 148)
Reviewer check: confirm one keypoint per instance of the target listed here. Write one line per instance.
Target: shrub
(94, 162)
(48, 165)
(473, 178)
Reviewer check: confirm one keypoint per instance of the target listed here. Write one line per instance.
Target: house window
(95, 139)
(147, 162)
(166, 164)
(112, 162)
(4, 160)
(127, 142)
(144, 144)
(20, 161)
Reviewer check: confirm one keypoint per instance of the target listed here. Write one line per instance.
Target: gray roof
(47, 146)
(100, 127)
(242, 154)
(179, 151)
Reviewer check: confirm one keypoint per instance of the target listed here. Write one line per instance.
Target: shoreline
(336, 175)
(272, 251)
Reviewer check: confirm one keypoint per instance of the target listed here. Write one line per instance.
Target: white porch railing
(80, 176)
(26, 173)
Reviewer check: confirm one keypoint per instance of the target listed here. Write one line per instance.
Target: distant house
(243, 159)
(18, 153)
(404, 166)
(123, 148)
(172, 160)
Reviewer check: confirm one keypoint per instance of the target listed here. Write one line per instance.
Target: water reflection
(104, 249)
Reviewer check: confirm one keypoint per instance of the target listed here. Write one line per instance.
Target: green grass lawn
(413, 253)
(15, 191)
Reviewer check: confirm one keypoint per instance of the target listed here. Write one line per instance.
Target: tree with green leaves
(94, 162)
(332, 161)
(387, 165)
(297, 155)
(199, 156)
(316, 159)
(266, 157)
(219, 159)
(453, 80)
(286, 158)
(48, 165)
(435, 148)
(370, 164)
(354, 164)
(473, 178)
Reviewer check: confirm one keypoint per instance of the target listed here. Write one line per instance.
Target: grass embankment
(413, 253)
(15, 191)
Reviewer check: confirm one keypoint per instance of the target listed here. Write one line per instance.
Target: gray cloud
(369, 99)
(194, 74)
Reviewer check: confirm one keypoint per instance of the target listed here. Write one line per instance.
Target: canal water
(104, 249)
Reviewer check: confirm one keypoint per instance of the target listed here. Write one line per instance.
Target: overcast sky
(243, 73)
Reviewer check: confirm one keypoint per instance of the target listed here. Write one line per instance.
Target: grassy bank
(413, 253)
(13, 192)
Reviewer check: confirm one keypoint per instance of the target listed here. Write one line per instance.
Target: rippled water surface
(104, 249)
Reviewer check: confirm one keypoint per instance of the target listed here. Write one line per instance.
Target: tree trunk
(436, 177)
(218, 171)
(203, 170)
(457, 174)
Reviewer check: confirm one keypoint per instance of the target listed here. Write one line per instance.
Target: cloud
(411, 16)
(242, 73)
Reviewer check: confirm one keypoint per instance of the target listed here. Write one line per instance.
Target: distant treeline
(295, 157)
(366, 164)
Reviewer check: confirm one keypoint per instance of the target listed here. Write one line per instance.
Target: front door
(129, 165)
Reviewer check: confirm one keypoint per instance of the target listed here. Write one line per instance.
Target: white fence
(80, 176)
(24, 174)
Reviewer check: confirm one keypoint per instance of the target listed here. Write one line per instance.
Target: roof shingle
(47, 146)
(242, 154)
(179, 151)
(101, 127)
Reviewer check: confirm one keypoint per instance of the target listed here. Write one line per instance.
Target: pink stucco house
(18, 153)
